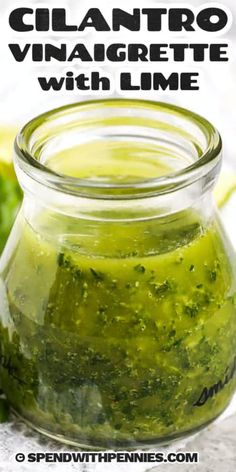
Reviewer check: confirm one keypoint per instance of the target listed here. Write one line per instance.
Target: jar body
(118, 334)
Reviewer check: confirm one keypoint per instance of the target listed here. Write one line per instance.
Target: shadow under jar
(118, 318)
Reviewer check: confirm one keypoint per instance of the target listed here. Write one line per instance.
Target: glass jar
(118, 319)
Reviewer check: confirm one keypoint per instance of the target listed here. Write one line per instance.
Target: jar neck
(196, 197)
(138, 138)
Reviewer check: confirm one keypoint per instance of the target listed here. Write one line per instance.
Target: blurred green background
(10, 192)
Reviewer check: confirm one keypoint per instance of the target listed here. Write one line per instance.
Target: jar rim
(41, 173)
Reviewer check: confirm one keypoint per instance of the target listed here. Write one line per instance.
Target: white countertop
(216, 446)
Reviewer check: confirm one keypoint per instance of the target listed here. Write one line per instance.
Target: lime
(225, 187)
(7, 137)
